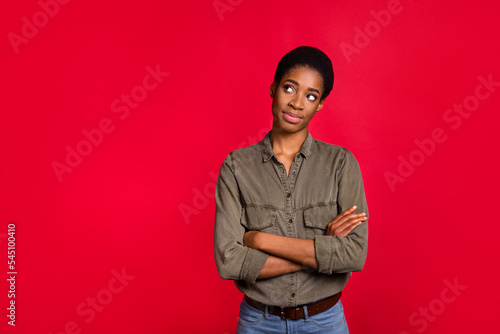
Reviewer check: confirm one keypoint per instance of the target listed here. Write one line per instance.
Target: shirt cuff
(324, 246)
(252, 265)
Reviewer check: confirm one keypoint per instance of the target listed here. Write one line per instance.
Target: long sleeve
(234, 261)
(345, 254)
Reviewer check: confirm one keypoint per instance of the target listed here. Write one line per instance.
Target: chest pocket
(259, 218)
(317, 218)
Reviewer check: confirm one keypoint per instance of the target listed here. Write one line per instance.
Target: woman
(291, 222)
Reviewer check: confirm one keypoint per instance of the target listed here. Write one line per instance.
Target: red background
(121, 206)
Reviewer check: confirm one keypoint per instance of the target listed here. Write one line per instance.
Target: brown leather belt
(293, 313)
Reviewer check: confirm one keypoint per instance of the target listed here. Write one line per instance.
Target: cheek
(274, 104)
(277, 102)
(311, 114)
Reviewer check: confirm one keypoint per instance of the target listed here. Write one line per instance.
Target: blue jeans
(253, 321)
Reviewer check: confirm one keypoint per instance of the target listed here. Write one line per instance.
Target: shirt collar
(267, 150)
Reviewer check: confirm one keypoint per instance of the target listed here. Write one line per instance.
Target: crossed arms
(250, 255)
(292, 254)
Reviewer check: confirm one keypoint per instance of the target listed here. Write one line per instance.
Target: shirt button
(293, 294)
(288, 195)
(294, 172)
(290, 221)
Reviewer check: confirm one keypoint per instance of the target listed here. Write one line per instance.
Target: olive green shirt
(254, 193)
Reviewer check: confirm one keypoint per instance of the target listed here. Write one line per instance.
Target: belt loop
(266, 312)
(282, 312)
(306, 315)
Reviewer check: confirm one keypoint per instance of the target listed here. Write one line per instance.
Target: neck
(287, 143)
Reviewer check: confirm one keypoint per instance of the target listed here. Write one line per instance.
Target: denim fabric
(253, 321)
(255, 193)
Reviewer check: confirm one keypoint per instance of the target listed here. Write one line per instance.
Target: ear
(320, 105)
(273, 89)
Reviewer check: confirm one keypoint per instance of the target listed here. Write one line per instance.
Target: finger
(351, 216)
(349, 230)
(345, 219)
(348, 218)
(353, 221)
(330, 230)
(349, 224)
(346, 212)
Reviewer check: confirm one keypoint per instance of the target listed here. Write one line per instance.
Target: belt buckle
(284, 310)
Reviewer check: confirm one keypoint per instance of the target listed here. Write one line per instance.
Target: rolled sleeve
(233, 260)
(336, 254)
(252, 265)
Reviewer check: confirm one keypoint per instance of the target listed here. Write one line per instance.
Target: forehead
(304, 76)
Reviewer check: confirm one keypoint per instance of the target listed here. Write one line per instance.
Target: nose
(296, 102)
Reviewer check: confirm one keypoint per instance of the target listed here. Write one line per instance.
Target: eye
(288, 88)
(311, 97)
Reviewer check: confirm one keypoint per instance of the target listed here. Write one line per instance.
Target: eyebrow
(297, 84)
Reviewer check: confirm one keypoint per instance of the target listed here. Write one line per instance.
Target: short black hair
(311, 57)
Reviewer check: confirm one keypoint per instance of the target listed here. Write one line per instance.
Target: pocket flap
(258, 217)
(320, 216)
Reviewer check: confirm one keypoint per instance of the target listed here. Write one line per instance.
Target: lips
(291, 117)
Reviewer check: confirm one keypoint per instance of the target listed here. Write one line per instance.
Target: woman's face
(296, 99)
